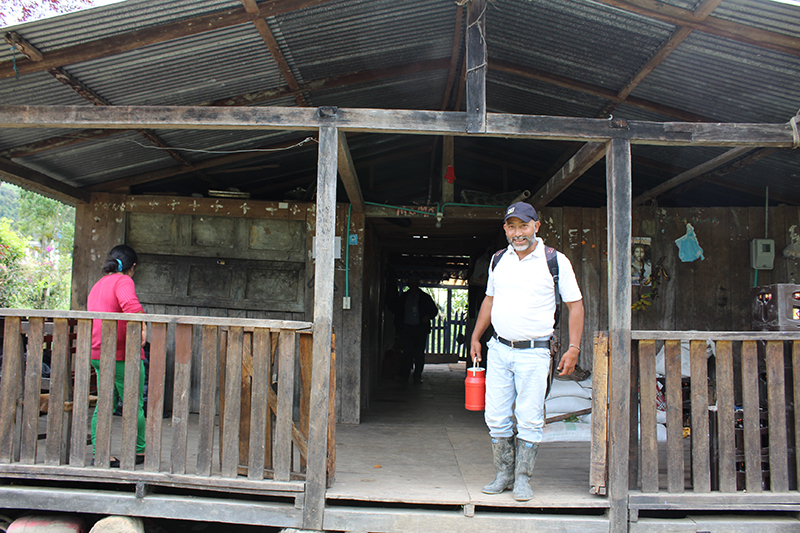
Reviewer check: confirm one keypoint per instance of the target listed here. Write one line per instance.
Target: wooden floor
(418, 444)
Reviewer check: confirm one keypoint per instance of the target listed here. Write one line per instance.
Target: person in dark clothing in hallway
(413, 315)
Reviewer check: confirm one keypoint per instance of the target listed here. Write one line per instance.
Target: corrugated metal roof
(585, 41)
(726, 81)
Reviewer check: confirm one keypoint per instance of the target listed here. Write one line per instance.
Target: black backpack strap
(552, 263)
(496, 257)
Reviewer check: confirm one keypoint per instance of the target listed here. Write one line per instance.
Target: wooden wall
(224, 257)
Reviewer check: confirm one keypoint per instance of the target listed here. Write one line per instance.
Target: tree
(18, 11)
(12, 251)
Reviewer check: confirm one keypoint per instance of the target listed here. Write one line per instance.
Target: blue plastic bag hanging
(688, 248)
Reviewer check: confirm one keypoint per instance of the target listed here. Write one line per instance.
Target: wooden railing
(444, 336)
(250, 365)
(738, 407)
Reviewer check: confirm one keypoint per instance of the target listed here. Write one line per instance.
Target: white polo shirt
(524, 302)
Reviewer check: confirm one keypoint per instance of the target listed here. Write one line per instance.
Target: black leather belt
(522, 345)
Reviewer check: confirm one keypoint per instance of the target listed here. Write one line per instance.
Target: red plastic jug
(475, 388)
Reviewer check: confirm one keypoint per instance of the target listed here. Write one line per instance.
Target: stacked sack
(566, 397)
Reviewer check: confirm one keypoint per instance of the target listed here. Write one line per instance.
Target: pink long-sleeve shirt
(114, 293)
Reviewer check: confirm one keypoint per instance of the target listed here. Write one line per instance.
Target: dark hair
(120, 259)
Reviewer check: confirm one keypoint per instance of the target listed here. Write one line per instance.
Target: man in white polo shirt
(520, 305)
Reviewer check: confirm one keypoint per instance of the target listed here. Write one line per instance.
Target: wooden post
(476, 66)
(448, 195)
(618, 185)
(323, 315)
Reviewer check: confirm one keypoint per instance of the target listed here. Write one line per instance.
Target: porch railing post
(618, 185)
(323, 311)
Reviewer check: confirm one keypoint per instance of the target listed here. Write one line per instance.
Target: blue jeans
(516, 382)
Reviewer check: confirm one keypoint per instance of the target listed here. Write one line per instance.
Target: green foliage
(9, 198)
(37, 254)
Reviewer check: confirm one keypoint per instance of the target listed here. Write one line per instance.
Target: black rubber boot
(526, 459)
(503, 455)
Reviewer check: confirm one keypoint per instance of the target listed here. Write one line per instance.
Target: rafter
(586, 157)
(692, 173)
(45, 185)
(735, 31)
(117, 44)
(261, 25)
(348, 175)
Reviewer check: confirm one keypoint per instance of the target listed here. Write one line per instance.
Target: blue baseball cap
(522, 210)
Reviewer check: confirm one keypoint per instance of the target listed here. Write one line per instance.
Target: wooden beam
(243, 100)
(19, 44)
(347, 171)
(90, 95)
(116, 44)
(261, 25)
(692, 173)
(33, 180)
(655, 9)
(618, 185)
(316, 471)
(586, 157)
(448, 160)
(396, 121)
(477, 58)
(451, 71)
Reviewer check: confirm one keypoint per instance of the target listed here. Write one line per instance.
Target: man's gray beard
(521, 248)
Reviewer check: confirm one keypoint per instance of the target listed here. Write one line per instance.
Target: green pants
(119, 387)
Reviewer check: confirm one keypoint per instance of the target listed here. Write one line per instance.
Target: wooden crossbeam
(397, 121)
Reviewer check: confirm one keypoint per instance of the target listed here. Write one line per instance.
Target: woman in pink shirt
(115, 293)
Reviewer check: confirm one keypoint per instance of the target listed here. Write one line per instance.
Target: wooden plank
(672, 363)
(717, 335)
(701, 466)
(33, 381)
(648, 391)
(477, 58)
(155, 396)
(323, 309)
(752, 418)
(80, 410)
(618, 186)
(776, 398)
(305, 361)
(725, 417)
(283, 425)
(739, 246)
(598, 466)
(330, 470)
(59, 361)
(180, 398)
(634, 421)
(208, 392)
(130, 394)
(105, 392)
(259, 411)
(229, 443)
(245, 397)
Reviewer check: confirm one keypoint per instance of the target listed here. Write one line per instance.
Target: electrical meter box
(776, 307)
(762, 254)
